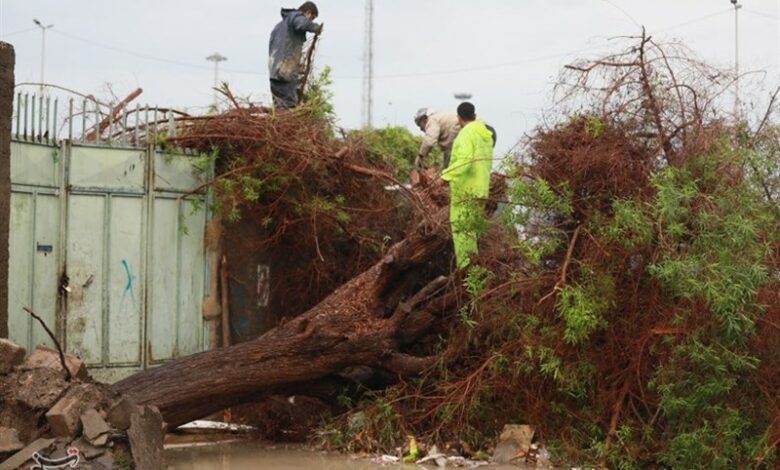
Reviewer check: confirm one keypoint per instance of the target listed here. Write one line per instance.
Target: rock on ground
(146, 438)
(44, 357)
(514, 443)
(65, 416)
(9, 440)
(39, 389)
(11, 355)
(95, 428)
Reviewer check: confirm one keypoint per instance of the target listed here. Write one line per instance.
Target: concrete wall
(7, 60)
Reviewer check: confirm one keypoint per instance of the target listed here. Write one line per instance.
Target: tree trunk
(367, 321)
(7, 60)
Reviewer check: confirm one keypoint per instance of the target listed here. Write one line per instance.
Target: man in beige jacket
(441, 128)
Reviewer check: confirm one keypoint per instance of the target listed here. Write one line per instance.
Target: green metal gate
(106, 248)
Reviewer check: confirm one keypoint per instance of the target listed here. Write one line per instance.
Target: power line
(531, 60)
(151, 57)
(695, 20)
(13, 33)
(622, 10)
(128, 52)
(375, 76)
(762, 14)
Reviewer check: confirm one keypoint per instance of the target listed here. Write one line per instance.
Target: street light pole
(216, 58)
(43, 46)
(737, 6)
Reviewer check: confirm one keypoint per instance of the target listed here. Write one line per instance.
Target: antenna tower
(368, 65)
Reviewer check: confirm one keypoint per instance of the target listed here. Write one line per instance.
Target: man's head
(466, 113)
(421, 118)
(309, 10)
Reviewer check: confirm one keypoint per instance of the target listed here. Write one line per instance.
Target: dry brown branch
(54, 340)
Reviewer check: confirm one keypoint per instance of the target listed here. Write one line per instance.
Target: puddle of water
(252, 455)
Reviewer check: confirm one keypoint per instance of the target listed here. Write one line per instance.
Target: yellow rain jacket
(469, 176)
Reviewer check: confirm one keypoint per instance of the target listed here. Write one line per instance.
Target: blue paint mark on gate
(130, 280)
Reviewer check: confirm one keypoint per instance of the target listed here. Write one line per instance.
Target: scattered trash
(414, 451)
(211, 426)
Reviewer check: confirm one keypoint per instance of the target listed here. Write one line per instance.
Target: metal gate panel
(191, 279)
(19, 267)
(174, 173)
(116, 226)
(33, 266)
(45, 265)
(104, 168)
(35, 164)
(34, 244)
(85, 318)
(177, 260)
(125, 281)
(164, 270)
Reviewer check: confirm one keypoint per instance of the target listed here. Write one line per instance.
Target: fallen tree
(368, 321)
(630, 313)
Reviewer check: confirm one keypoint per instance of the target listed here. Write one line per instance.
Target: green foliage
(538, 210)
(477, 280)
(631, 225)
(393, 147)
(377, 425)
(705, 431)
(595, 126)
(203, 164)
(318, 97)
(715, 248)
(583, 307)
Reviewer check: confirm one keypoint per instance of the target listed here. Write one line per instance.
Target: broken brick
(11, 355)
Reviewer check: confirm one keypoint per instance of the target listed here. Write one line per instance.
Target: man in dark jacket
(285, 51)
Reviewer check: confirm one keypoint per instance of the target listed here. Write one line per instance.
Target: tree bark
(7, 61)
(367, 321)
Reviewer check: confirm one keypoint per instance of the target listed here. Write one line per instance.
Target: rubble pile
(50, 418)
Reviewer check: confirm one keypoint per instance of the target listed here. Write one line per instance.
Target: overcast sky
(507, 53)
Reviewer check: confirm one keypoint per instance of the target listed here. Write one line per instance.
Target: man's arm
(430, 138)
(301, 24)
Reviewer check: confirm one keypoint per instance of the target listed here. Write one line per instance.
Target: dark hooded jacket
(286, 45)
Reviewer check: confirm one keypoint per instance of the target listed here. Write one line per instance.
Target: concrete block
(11, 355)
(9, 440)
(146, 438)
(119, 414)
(39, 389)
(65, 416)
(44, 357)
(94, 427)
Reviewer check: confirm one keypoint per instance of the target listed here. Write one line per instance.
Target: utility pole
(368, 65)
(737, 6)
(216, 58)
(43, 46)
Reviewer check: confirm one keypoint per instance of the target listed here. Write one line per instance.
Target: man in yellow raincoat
(469, 177)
